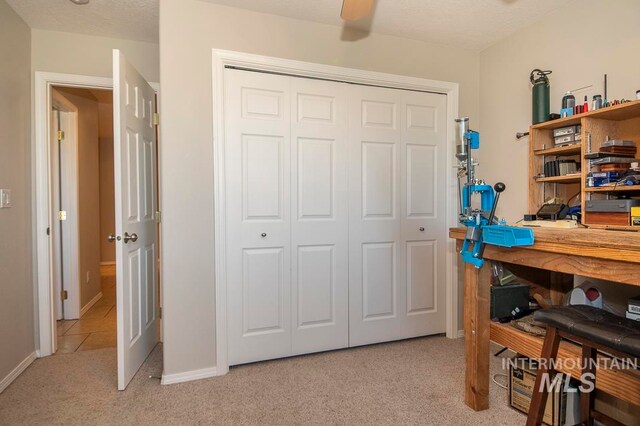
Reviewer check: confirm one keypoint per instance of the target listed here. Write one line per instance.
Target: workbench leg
(476, 332)
(559, 285)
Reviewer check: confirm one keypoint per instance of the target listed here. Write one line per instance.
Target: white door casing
(221, 61)
(136, 204)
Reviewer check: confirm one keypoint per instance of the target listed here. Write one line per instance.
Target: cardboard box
(563, 408)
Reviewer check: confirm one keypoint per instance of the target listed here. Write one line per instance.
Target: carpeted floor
(417, 381)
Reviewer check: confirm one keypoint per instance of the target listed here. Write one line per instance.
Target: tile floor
(96, 329)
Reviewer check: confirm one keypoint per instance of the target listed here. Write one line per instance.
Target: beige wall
(189, 29)
(579, 43)
(107, 196)
(69, 53)
(16, 285)
(88, 191)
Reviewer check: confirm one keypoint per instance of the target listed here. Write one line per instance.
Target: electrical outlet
(88, 277)
(5, 198)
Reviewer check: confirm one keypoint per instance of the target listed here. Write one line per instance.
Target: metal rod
(469, 162)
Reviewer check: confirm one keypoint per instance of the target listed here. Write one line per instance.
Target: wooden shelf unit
(616, 122)
(560, 179)
(622, 384)
(608, 189)
(561, 150)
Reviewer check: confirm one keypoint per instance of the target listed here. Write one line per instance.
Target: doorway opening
(82, 193)
(135, 187)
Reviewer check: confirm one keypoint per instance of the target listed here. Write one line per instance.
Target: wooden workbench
(607, 255)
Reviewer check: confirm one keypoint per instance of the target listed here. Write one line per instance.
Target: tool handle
(499, 188)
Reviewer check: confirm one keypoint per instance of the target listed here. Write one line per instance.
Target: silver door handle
(112, 238)
(421, 229)
(133, 237)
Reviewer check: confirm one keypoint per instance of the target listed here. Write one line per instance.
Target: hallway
(96, 329)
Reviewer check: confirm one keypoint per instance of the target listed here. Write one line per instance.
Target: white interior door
(375, 260)
(319, 215)
(397, 227)
(258, 220)
(135, 202)
(64, 232)
(287, 245)
(423, 212)
(335, 214)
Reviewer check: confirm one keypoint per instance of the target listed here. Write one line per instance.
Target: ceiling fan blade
(353, 10)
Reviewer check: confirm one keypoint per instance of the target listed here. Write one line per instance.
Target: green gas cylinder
(540, 95)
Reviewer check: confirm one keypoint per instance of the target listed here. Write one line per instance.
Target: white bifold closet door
(328, 186)
(397, 227)
(287, 220)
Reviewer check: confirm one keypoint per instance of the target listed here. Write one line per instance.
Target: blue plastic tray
(507, 236)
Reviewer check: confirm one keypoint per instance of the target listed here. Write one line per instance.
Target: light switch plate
(5, 198)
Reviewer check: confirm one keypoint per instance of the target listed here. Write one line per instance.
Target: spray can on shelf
(540, 95)
(568, 101)
(597, 102)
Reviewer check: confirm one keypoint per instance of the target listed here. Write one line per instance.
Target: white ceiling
(473, 24)
(125, 19)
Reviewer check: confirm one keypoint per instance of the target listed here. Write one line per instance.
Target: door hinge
(156, 119)
(62, 215)
(64, 295)
(160, 312)
(59, 135)
(48, 231)
(158, 217)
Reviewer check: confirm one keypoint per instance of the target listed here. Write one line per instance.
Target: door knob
(264, 234)
(421, 229)
(112, 238)
(132, 237)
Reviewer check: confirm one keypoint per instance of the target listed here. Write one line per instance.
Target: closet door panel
(319, 206)
(423, 211)
(376, 251)
(258, 219)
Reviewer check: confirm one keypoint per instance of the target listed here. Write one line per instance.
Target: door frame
(224, 58)
(44, 250)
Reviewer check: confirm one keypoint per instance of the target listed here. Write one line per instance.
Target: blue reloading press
(482, 227)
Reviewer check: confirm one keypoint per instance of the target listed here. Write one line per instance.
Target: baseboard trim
(460, 333)
(4, 383)
(90, 304)
(187, 376)
(113, 262)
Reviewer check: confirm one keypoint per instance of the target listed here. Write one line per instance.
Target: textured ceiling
(126, 19)
(472, 24)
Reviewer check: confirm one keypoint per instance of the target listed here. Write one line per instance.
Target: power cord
(503, 386)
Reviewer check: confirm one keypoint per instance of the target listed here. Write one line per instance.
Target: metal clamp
(133, 237)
